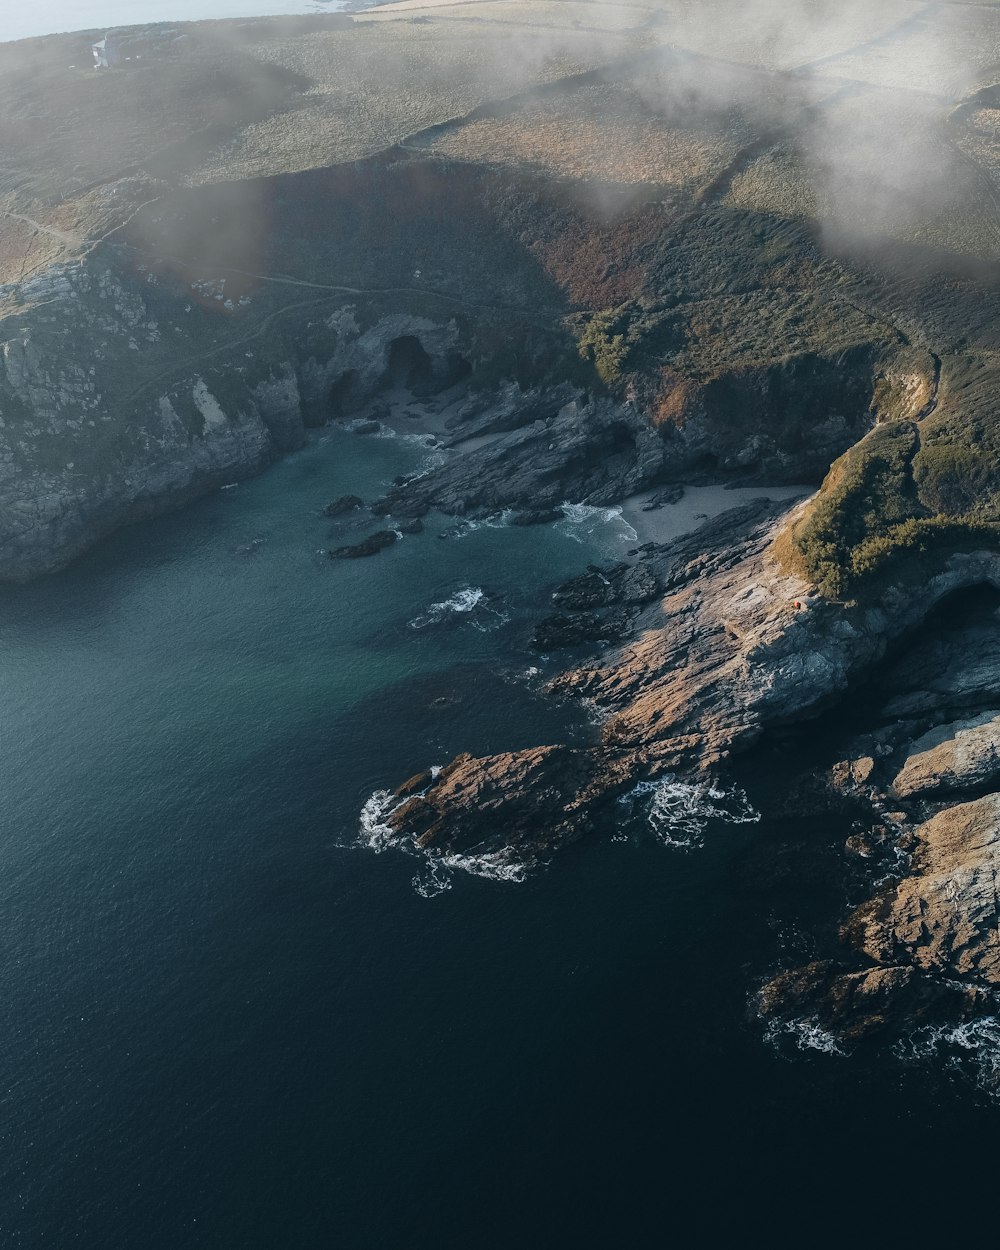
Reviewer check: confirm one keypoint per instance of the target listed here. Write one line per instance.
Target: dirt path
(64, 236)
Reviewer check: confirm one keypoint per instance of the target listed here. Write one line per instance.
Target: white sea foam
(418, 440)
(374, 830)
(432, 879)
(972, 1048)
(806, 1035)
(436, 871)
(585, 521)
(461, 602)
(678, 812)
(502, 865)
(471, 525)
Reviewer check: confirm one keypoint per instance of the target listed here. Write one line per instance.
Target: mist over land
(23, 21)
(621, 385)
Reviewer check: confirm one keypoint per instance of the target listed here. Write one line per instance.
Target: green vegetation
(632, 338)
(907, 492)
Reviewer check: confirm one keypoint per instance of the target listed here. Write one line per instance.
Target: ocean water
(21, 21)
(227, 1023)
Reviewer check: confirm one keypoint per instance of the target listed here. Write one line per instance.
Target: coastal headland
(605, 253)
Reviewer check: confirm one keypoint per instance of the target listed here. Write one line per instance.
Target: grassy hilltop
(776, 222)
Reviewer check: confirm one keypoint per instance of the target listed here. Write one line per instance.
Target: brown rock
(963, 755)
(944, 916)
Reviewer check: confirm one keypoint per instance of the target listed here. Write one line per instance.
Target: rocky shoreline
(707, 647)
(706, 643)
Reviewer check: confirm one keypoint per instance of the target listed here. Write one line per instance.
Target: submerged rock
(370, 546)
(536, 516)
(345, 504)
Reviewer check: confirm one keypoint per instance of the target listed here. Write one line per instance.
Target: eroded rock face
(932, 936)
(963, 755)
(946, 674)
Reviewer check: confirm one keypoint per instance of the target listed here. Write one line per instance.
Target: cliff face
(112, 409)
(76, 461)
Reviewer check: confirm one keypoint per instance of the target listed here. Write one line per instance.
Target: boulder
(370, 546)
(343, 505)
(963, 755)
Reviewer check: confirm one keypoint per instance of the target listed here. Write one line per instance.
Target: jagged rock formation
(943, 916)
(963, 755)
(734, 647)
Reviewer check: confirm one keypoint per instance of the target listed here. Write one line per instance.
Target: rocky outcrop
(943, 916)
(343, 505)
(851, 1005)
(931, 937)
(369, 546)
(594, 453)
(572, 629)
(597, 606)
(964, 755)
(734, 646)
(521, 802)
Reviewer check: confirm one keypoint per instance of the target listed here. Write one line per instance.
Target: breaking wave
(436, 871)
(416, 440)
(374, 831)
(971, 1049)
(678, 812)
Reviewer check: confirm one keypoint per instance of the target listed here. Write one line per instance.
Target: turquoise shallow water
(227, 1025)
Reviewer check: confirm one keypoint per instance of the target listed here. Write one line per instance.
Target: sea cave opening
(408, 364)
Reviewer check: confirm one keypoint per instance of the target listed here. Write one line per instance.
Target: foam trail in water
(502, 865)
(972, 1048)
(678, 812)
(806, 1034)
(464, 600)
(432, 879)
(495, 521)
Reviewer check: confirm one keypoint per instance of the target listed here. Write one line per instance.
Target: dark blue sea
(228, 1023)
